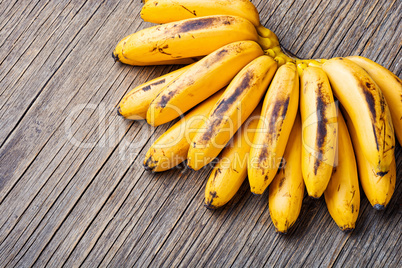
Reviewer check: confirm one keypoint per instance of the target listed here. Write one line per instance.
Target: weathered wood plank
(12, 14)
(396, 65)
(24, 44)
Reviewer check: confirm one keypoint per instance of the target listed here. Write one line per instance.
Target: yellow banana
(233, 108)
(201, 80)
(135, 104)
(163, 11)
(286, 191)
(231, 170)
(117, 55)
(378, 187)
(391, 87)
(366, 106)
(171, 148)
(277, 118)
(342, 194)
(320, 130)
(185, 39)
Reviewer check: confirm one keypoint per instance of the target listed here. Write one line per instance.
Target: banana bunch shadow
(253, 110)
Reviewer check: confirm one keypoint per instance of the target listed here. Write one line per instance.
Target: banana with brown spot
(171, 148)
(233, 108)
(231, 170)
(189, 38)
(277, 118)
(342, 195)
(286, 191)
(135, 104)
(164, 11)
(320, 130)
(117, 55)
(391, 87)
(366, 105)
(201, 80)
(378, 187)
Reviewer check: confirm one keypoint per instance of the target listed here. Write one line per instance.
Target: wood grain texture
(72, 188)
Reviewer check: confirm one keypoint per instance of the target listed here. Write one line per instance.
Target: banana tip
(210, 206)
(118, 110)
(281, 232)
(115, 57)
(347, 230)
(190, 168)
(148, 168)
(379, 207)
(149, 164)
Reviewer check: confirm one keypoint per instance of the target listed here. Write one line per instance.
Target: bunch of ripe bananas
(225, 109)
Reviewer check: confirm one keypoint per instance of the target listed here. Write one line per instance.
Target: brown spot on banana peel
(368, 90)
(148, 87)
(322, 124)
(149, 164)
(208, 203)
(263, 154)
(281, 182)
(202, 23)
(368, 95)
(166, 97)
(333, 170)
(225, 104)
(282, 165)
(375, 137)
(192, 12)
(279, 111)
(216, 173)
(382, 174)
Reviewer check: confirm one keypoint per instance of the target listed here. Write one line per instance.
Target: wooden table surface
(73, 191)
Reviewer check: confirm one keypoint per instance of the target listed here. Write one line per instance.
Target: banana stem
(265, 32)
(303, 64)
(268, 43)
(282, 56)
(279, 56)
(267, 38)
